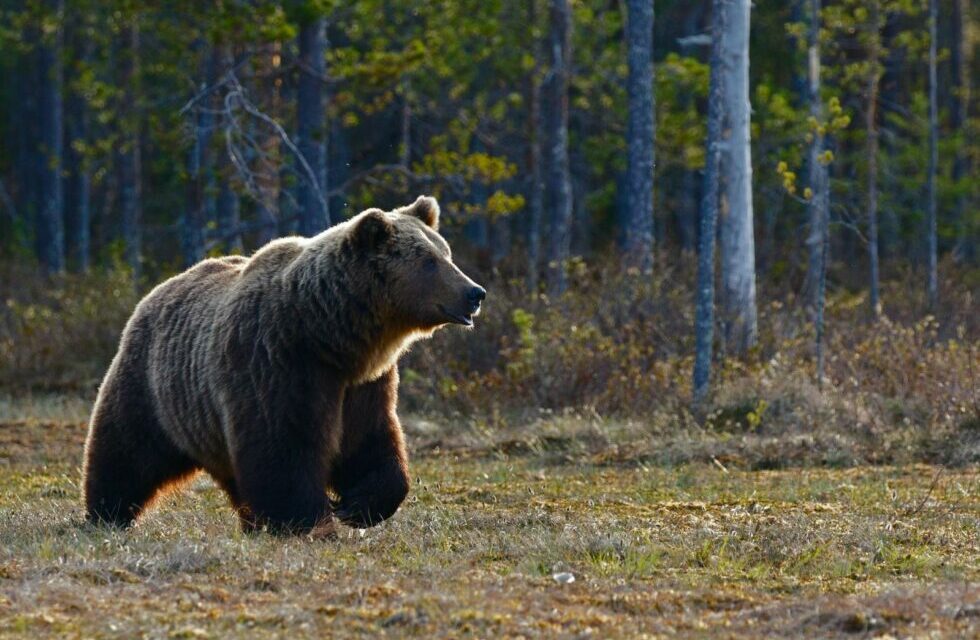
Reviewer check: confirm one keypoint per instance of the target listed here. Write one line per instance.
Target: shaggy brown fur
(277, 375)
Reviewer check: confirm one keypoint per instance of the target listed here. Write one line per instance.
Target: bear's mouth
(457, 318)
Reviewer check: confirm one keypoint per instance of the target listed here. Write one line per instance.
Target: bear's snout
(474, 297)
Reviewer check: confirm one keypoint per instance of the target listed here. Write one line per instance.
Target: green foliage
(462, 73)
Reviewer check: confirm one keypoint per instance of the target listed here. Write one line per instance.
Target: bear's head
(424, 289)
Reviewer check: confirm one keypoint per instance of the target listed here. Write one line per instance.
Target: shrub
(60, 332)
(616, 346)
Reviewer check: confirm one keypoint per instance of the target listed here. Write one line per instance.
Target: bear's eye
(430, 264)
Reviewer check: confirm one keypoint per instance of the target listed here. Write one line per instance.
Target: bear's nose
(477, 295)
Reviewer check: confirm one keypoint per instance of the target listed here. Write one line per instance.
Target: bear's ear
(426, 209)
(373, 229)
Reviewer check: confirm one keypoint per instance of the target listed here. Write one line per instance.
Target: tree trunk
(78, 205)
(816, 168)
(7, 204)
(687, 211)
(962, 55)
(560, 185)
(50, 229)
(405, 148)
(311, 131)
(933, 283)
(704, 322)
(817, 240)
(23, 125)
(535, 185)
(192, 219)
(640, 133)
(130, 172)
(268, 179)
(872, 127)
(291, 176)
(78, 184)
(229, 215)
(736, 219)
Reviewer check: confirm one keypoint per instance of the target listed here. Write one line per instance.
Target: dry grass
(684, 547)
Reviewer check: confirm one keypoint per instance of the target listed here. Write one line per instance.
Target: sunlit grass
(654, 549)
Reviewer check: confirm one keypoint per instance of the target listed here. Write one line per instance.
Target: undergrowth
(618, 348)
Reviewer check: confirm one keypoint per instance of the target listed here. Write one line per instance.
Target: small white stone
(564, 577)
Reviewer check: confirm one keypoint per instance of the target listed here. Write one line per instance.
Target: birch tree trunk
(311, 130)
(50, 228)
(560, 179)
(817, 240)
(933, 282)
(736, 214)
(130, 171)
(816, 169)
(640, 132)
(874, 54)
(704, 322)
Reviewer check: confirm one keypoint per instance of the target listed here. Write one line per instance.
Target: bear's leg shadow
(371, 476)
(128, 457)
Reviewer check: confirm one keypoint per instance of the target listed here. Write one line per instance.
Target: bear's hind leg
(126, 464)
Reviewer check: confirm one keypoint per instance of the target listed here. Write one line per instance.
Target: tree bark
(8, 205)
(78, 183)
(271, 166)
(961, 58)
(704, 322)
(130, 170)
(50, 229)
(405, 149)
(78, 205)
(933, 279)
(24, 125)
(687, 211)
(640, 134)
(874, 54)
(535, 185)
(192, 219)
(818, 239)
(229, 215)
(560, 185)
(311, 131)
(736, 214)
(817, 170)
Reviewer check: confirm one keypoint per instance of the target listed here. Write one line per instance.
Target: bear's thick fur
(277, 375)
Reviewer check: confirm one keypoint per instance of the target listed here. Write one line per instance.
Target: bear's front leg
(281, 469)
(282, 491)
(371, 476)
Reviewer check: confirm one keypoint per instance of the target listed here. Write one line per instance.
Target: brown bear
(277, 375)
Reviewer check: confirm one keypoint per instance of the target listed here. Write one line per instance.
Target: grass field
(695, 548)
